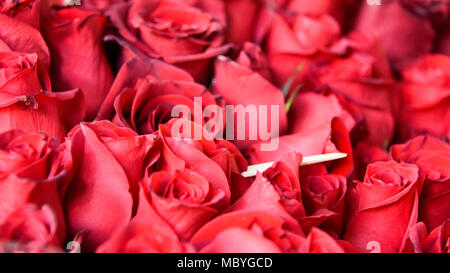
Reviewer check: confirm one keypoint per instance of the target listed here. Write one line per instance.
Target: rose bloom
(145, 91)
(323, 197)
(432, 157)
(383, 207)
(174, 31)
(10, 41)
(188, 181)
(105, 163)
(425, 97)
(283, 175)
(249, 20)
(75, 40)
(30, 174)
(27, 101)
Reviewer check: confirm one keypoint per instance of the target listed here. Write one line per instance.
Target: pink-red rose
(432, 157)
(389, 194)
(174, 31)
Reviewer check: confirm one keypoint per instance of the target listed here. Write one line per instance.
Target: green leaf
(292, 97)
(290, 81)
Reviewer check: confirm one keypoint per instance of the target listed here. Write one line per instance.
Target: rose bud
(425, 97)
(134, 70)
(29, 174)
(177, 33)
(34, 229)
(397, 25)
(10, 41)
(153, 235)
(438, 241)
(432, 157)
(284, 177)
(79, 60)
(222, 152)
(389, 194)
(153, 97)
(323, 198)
(26, 11)
(26, 100)
(184, 184)
(108, 162)
(248, 93)
(186, 200)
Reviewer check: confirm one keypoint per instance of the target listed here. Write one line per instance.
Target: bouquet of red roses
(226, 126)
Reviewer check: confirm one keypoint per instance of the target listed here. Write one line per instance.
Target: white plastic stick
(307, 160)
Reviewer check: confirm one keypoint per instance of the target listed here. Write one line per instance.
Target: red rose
(26, 100)
(438, 241)
(240, 86)
(143, 100)
(75, 39)
(284, 177)
(432, 157)
(323, 198)
(29, 174)
(184, 184)
(186, 200)
(389, 194)
(171, 30)
(109, 162)
(10, 41)
(425, 97)
(32, 228)
(396, 25)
